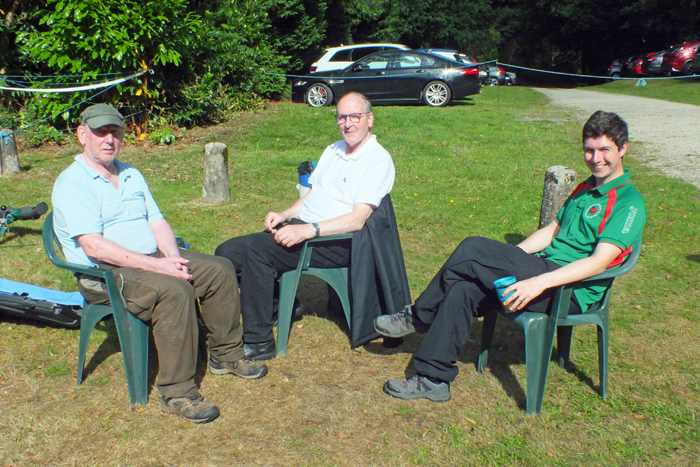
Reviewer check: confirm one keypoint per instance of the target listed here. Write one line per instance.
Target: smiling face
(354, 134)
(603, 158)
(100, 145)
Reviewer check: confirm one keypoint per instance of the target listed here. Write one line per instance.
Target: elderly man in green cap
(104, 215)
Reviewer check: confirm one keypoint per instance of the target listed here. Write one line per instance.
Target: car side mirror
(358, 68)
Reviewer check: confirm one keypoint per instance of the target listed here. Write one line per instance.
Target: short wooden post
(217, 188)
(559, 182)
(9, 161)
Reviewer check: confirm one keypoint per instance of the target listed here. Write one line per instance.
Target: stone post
(216, 184)
(559, 182)
(9, 162)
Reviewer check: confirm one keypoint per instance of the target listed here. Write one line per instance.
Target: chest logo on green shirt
(593, 211)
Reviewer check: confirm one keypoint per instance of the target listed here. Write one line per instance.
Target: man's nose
(596, 156)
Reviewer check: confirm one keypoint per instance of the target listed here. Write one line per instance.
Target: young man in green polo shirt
(596, 229)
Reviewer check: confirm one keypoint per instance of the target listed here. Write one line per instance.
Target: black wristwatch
(317, 229)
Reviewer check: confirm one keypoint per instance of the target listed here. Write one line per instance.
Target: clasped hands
(290, 234)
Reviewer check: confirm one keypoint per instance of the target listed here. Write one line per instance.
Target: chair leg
(603, 360)
(92, 314)
(564, 344)
(286, 304)
(133, 338)
(538, 352)
(338, 280)
(489, 326)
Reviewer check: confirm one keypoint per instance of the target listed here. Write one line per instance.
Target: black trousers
(259, 261)
(463, 289)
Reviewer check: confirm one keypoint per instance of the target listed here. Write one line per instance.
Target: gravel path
(670, 131)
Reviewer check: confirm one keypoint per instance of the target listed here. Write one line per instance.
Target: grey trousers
(168, 303)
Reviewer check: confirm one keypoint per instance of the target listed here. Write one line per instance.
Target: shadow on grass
(695, 258)
(111, 346)
(507, 349)
(18, 232)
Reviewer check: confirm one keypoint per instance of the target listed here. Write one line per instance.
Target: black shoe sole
(263, 356)
(411, 397)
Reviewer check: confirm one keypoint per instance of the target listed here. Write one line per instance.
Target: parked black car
(500, 77)
(392, 76)
(694, 66)
(615, 68)
(651, 64)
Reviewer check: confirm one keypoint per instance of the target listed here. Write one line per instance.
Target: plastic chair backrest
(133, 333)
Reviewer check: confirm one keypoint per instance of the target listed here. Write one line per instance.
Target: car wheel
(493, 81)
(615, 75)
(686, 69)
(437, 94)
(319, 95)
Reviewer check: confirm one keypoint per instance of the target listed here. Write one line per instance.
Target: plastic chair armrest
(330, 238)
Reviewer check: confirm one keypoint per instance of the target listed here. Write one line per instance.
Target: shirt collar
(611, 185)
(341, 148)
(90, 171)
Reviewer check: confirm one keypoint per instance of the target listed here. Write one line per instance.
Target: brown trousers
(169, 304)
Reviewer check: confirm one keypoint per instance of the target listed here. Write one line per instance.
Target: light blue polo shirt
(84, 202)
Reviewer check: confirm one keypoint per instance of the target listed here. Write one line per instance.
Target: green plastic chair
(539, 334)
(289, 281)
(133, 333)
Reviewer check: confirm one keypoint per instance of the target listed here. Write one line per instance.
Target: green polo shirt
(614, 213)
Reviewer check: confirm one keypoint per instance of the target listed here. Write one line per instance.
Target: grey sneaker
(397, 325)
(416, 388)
(192, 408)
(245, 368)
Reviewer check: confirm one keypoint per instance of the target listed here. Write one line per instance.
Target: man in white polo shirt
(351, 179)
(104, 215)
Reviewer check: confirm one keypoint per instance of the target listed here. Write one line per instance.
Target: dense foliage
(209, 57)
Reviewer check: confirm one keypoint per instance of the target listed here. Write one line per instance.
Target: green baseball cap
(99, 115)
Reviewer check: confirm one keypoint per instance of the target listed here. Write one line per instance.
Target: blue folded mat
(39, 293)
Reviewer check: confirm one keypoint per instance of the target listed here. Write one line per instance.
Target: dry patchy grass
(322, 404)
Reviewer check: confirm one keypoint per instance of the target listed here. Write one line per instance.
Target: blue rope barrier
(51, 117)
(63, 111)
(640, 81)
(593, 76)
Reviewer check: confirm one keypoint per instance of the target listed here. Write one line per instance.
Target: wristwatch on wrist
(317, 229)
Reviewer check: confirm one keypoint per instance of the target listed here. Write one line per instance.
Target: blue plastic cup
(502, 284)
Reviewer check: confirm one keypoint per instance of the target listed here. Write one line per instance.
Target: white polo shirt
(341, 181)
(85, 202)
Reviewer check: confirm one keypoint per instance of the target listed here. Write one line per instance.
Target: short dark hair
(606, 124)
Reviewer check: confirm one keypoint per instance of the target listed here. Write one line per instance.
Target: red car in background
(677, 58)
(635, 67)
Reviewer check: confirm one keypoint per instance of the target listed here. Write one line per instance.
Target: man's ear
(81, 135)
(623, 150)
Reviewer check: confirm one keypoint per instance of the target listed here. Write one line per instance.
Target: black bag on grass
(31, 302)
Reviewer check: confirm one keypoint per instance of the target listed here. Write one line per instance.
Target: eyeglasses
(354, 118)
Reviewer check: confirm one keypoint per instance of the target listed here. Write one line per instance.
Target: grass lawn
(472, 168)
(683, 90)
